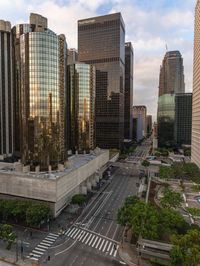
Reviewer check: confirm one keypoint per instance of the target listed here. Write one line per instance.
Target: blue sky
(150, 25)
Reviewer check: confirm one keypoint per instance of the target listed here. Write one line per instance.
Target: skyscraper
(41, 75)
(128, 92)
(101, 43)
(172, 74)
(149, 124)
(6, 90)
(196, 90)
(140, 113)
(81, 86)
(72, 56)
(183, 118)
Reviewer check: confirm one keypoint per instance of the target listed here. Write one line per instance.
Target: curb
(124, 259)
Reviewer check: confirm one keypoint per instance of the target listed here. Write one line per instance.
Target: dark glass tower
(81, 86)
(101, 43)
(128, 93)
(41, 61)
(183, 118)
(172, 74)
(6, 90)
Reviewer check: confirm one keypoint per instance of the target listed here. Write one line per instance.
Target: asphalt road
(95, 236)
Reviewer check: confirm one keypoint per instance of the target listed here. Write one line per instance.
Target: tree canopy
(171, 199)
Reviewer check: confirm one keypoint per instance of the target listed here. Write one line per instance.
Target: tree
(165, 172)
(145, 163)
(194, 211)
(145, 221)
(191, 170)
(171, 199)
(125, 213)
(78, 199)
(178, 170)
(36, 213)
(171, 222)
(186, 249)
(6, 234)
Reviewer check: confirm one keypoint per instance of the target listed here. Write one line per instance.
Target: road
(95, 236)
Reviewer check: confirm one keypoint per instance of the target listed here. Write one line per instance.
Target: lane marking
(91, 240)
(95, 241)
(105, 245)
(102, 244)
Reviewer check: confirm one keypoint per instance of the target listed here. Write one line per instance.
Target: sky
(151, 26)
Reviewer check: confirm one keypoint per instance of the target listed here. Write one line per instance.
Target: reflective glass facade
(81, 80)
(166, 116)
(41, 61)
(101, 43)
(128, 92)
(6, 90)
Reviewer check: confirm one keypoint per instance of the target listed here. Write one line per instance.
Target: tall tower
(6, 90)
(128, 93)
(172, 74)
(196, 90)
(41, 61)
(101, 42)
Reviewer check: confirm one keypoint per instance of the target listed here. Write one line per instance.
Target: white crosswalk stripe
(42, 247)
(95, 241)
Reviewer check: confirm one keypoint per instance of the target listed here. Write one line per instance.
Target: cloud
(150, 25)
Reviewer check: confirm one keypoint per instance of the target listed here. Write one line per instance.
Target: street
(95, 236)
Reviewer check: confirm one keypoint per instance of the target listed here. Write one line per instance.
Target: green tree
(145, 221)
(194, 211)
(78, 199)
(171, 199)
(178, 170)
(145, 163)
(186, 249)
(165, 172)
(36, 213)
(6, 234)
(191, 170)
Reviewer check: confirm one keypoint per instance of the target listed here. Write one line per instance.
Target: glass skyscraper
(172, 74)
(6, 90)
(128, 92)
(81, 86)
(41, 60)
(101, 42)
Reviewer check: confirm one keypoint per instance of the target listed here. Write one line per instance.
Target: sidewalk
(129, 254)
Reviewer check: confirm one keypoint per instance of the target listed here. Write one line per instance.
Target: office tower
(183, 119)
(149, 124)
(41, 87)
(165, 119)
(128, 92)
(72, 56)
(140, 113)
(101, 43)
(172, 74)
(6, 90)
(81, 86)
(195, 156)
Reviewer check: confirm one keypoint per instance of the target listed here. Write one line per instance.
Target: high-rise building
(128, 92)
(183, 119)
(72, 56)
(6, 90)
(40, 72)
(101, 42)
(81, 86)
(140, 113)
(195, 156)
(165, 119)
(172, 74)
(149, 124)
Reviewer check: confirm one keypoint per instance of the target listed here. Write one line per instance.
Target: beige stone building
(196, 90)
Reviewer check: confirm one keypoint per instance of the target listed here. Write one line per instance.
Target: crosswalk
(42, 247)
(93, 240)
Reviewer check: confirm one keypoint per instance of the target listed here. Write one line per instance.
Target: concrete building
(183, 119)
(172, 74)
(81, 108)
(6, 90)
(149, 124)
(101, 42)
(128, 92)
(140, 113)
(41, 90)
(72, 56)
(195, 156)
(56, 188)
